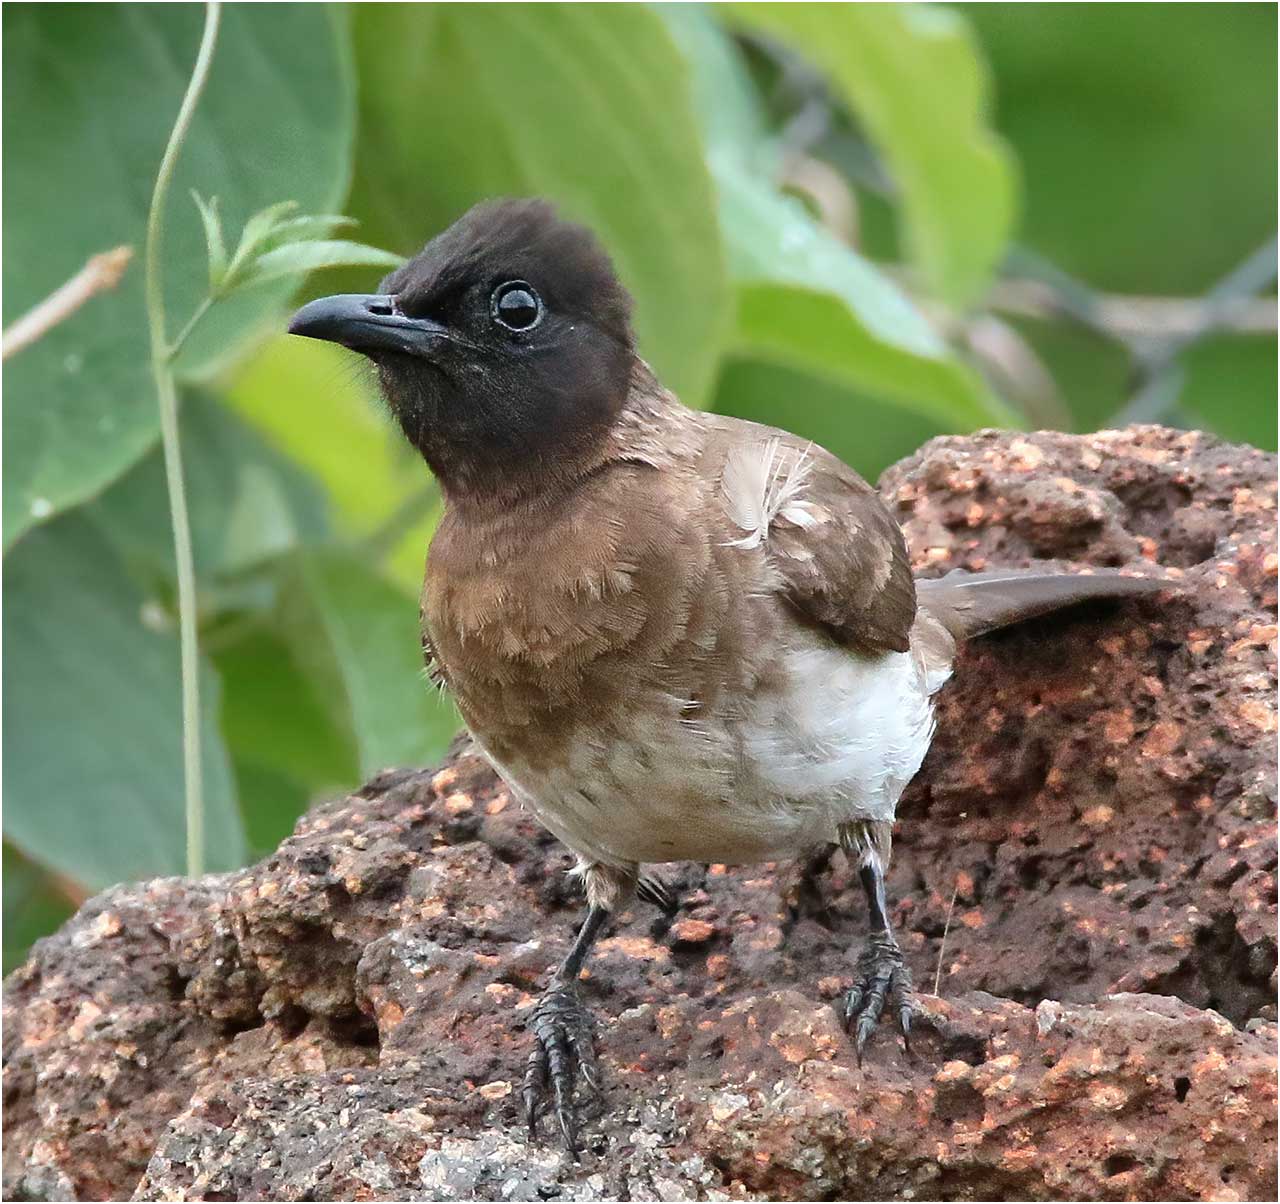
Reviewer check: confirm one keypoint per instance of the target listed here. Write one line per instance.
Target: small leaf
(212, 221)
(263, 223)
(306, 227)
(298, 257)
(255, 233)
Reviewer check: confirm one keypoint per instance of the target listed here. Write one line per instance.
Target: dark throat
(511, 451)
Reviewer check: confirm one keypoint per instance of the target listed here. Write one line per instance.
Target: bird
(677, 635)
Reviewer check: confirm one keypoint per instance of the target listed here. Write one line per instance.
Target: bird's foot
(563, 1057)
(883, 978)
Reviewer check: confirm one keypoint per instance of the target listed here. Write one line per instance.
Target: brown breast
(569, 610)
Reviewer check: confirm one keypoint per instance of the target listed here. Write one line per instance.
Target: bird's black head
(503, 348)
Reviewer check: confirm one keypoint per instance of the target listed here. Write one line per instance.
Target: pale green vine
(162, 357)
(276, 242)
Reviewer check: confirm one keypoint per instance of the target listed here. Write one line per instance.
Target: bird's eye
(516, 305)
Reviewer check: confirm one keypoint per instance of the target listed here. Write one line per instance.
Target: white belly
(837, 738)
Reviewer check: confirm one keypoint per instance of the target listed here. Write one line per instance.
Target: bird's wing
(834, 550)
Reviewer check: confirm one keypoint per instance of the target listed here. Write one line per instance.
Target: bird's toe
(882, 978)
(562, 1061)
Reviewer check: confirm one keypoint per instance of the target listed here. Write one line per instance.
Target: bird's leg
(882, 974)
(564, 1039)
(809, 896)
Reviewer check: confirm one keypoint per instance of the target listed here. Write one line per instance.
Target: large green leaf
(90, 93)
(913, 76)
(866, 432)
(808, 302)
(317, 404)
(356, 636)
(286, 746)
(92, 742)
(247, 502)
(804, 300)
(588, 105)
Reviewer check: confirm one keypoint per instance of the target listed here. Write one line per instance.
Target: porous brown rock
(1085, 867)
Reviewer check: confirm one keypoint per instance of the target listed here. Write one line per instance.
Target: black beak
(366, 322)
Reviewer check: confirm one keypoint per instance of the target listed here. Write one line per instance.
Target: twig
(1161, 373)
(1138, 317)
(827, 188)
(942, 948)
(167, 392)
(100, 274)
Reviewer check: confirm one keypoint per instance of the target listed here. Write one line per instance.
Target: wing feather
(834, 549)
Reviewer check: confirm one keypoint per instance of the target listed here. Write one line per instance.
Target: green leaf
(286, 746)
(213, 238)
(726, 99)
(273, 716)
(92, 750)
(805, 300)
(317, 404)
(916, 81)
(257, 230)
(812, 331)
(865, 431)
(297, 258)
(33, 906)
(90, 95)
(309, 225)
(588, 105)
(356, 635)
(830, 334)
(247, 502)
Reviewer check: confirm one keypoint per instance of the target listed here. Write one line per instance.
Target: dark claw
(882, 976)
(563, 1052)
(657, 892)
(535, 1082)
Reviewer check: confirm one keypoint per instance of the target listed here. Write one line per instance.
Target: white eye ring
(515, 301)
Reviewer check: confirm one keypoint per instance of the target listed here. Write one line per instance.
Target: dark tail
(969, 604)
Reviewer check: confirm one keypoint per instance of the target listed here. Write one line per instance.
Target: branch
(1140, 317)
(99, 275)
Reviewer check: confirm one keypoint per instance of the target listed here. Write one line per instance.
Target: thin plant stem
(167, 394)
(942, 948)
(192, 322)
(101, 273)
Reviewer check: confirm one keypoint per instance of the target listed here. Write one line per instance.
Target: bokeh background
(867, 223)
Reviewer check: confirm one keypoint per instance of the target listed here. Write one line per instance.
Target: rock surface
(1096, 820)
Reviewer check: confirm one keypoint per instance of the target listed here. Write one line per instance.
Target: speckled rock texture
(1096, 820)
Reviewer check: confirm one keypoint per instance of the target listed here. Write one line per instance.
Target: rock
(1086, 864)
(1101, 793)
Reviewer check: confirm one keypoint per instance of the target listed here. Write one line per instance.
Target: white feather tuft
(760, 487)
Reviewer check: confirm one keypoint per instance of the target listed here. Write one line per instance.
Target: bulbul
(676, 635)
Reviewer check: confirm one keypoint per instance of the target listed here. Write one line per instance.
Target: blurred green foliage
(866, 223)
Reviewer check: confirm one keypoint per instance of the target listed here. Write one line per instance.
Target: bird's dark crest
(518, 239)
